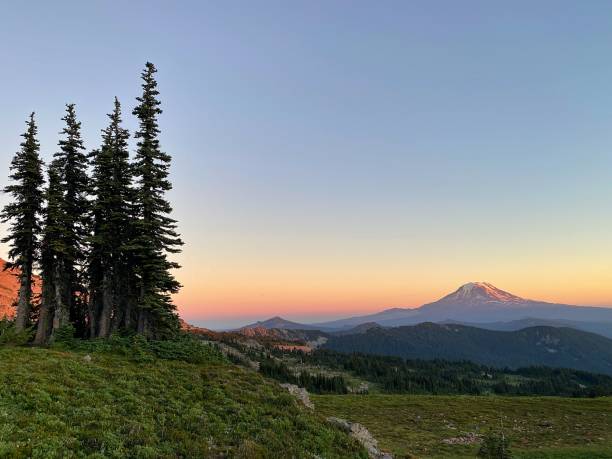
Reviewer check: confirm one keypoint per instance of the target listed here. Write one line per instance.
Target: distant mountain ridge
(534, 346)
(280, 323)
(473, 303)
(600, 328)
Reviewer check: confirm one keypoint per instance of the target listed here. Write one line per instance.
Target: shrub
(495, 445)
(137, 348)
(8, 334)
(64, 336)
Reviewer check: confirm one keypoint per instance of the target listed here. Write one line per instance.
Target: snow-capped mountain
(474, 302)
(480, 293)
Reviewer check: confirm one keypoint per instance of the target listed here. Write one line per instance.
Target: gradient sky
(339, 157)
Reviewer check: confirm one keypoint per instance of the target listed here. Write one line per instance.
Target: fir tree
(54, 312)
(72, 163)
(111, 180)
(155, 230)
(24, 214)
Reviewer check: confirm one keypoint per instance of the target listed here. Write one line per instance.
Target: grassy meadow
(58, 404)
(538, 427)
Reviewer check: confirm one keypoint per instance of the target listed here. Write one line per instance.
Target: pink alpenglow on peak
(481, 292)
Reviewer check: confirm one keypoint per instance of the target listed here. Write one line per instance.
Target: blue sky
(340, 157)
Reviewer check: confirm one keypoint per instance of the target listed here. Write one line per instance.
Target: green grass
(55, 404)
(538, 427)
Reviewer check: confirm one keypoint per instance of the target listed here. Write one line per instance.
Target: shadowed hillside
(550, 346)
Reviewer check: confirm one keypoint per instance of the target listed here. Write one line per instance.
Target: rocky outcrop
(362, 435)
(185, 326)
(9, 288)
(362, 388)
(300, 393)
(469, 438)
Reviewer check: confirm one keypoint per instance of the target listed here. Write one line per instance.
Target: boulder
(362, 435)
(300, 393)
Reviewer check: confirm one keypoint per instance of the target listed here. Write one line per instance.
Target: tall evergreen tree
(72, 163)
(54, 311)
(24, 214)
(111, 180)
(155, 230)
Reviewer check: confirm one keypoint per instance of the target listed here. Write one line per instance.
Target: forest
(395, 375)
(97, 227)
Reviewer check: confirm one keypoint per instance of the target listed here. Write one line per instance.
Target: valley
(422, 409)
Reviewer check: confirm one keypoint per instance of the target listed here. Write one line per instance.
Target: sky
(333, 158)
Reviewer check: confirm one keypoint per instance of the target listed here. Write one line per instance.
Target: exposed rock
(87, 358)
(362, 435)
(468, 439)
(294, 347)
(300, 393)
(362, 388)
(320, 341)
(342, 424)
(193, 329)
(9, 288)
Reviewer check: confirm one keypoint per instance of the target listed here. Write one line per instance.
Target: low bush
(137, 348)
(495, 445)
(8, 334)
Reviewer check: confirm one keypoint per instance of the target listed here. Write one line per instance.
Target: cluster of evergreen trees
(317, 383)
(396, 375)
(99, 230)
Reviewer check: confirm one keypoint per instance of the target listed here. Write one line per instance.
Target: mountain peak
(481, 292)
(278, 322)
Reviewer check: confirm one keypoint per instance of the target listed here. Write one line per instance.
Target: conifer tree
(24, 214)
(155, 230)
(54, 312)
(72, 163)
(111, 180)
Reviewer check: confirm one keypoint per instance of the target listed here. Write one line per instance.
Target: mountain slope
(387, 317)
(555, 347)
(9, 288)
(160, 409)
(601, 328)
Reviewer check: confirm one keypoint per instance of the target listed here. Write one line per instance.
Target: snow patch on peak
(482, 292)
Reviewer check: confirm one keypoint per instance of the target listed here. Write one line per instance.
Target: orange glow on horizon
(320, 296)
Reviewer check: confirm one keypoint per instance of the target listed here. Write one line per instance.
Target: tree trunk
(127, 315)
(143, 322)
(43, 330)
(92, 313)
(25, 294)
(119, 312)
(107, 307)
(128, 301)
(62, 313)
